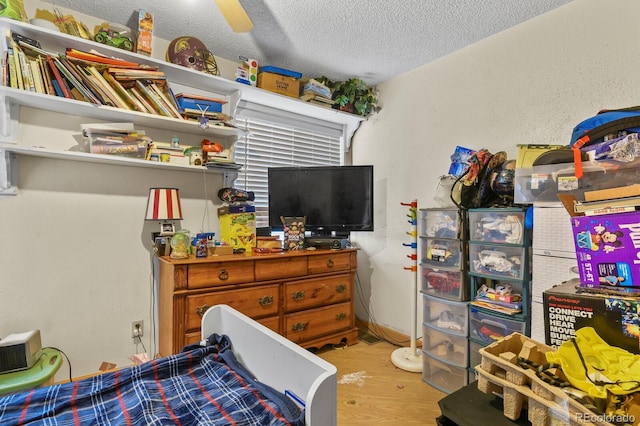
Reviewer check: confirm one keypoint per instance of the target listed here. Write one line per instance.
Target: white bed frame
(278, 362)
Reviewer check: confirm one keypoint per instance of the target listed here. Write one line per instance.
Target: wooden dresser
(306, 296)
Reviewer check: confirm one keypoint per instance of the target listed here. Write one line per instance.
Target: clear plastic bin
(448, 283)
(441, 223)
(488, 328)
(498, 261)
(443, 376)
(439, 252)
(505, 226)
(446, 315)
(474, 355)
(445, 346)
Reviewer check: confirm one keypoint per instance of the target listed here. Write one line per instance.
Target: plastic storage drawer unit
(439, 252)
(441, 375)
(445, 315)
(441, 223)
(504, 226)
(448, 283)
(444, 346)
(488, 328)
(497, 261)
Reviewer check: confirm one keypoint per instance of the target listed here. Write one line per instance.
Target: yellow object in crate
(238, 226)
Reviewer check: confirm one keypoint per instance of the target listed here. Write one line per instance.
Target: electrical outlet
(137, 329)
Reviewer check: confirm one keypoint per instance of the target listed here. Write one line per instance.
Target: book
(153, 99)
(13, 82)
(73, 81)
(85, 89)
(16, 60)
(60, 83)
(38, 81)
(122, 92)
(106, 87)
(584, 206)
(167, 100)
(495, 307)
(27, 78)
(136, 93)
(134, 74)
(46, 75)
(610, 210)
(92, 84)
(74, 53)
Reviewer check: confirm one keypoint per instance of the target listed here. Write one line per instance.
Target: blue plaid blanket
(199, 386)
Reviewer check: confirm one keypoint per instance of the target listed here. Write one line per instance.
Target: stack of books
(197, 107)
(317, 93)
(506, 303)
(89, 77)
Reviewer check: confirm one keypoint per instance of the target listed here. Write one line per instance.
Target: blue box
(199, 105)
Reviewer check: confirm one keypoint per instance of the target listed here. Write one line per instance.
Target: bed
(246, 374)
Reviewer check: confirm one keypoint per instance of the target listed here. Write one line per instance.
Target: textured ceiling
(372, 39)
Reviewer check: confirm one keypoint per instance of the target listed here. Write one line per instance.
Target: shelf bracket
(228, 178)
(9, 120)
(8, 173)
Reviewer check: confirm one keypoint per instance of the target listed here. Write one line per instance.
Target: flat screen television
(335, 200)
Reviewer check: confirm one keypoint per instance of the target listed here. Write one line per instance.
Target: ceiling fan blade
(235, 15)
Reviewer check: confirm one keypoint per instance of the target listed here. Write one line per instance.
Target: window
(279, 138)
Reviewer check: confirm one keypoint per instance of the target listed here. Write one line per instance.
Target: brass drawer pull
(299, 326)
(330, 263)
(266, 301)
(341, 316)
(202, 309)
(298, 295)
(223, 275)
(341, 288)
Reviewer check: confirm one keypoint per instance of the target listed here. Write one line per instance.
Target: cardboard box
(238, 226)
(145, 32)
(614, 317)
(527, 154)
(608, 249)
(281, 84)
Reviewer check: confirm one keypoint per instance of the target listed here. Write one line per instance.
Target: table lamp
(164, 206)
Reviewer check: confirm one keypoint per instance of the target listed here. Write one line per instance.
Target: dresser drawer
(307, 325)
(329, 263)
(284, 267)
(219, 273)
(272, 323)
(312, 293)
(254, 302)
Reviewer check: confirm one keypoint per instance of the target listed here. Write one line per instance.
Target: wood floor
(372, 390)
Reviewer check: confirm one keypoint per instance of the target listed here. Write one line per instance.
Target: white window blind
(281, 142)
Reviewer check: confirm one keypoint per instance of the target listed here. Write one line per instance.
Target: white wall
(75, 252)
(528, 85)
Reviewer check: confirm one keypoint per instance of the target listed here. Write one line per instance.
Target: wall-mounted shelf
(181, 79)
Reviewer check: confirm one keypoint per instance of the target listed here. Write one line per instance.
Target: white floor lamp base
(408, 359)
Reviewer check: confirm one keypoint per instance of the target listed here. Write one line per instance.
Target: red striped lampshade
(164, 204)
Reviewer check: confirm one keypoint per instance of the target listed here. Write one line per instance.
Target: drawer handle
(299, 326)
(330, 263)
(341, 316)
(266, 301)
(223, 275)
(298, 295)
(341, 288)
(202, 309)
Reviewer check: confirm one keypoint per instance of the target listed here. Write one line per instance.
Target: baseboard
(387, 333)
